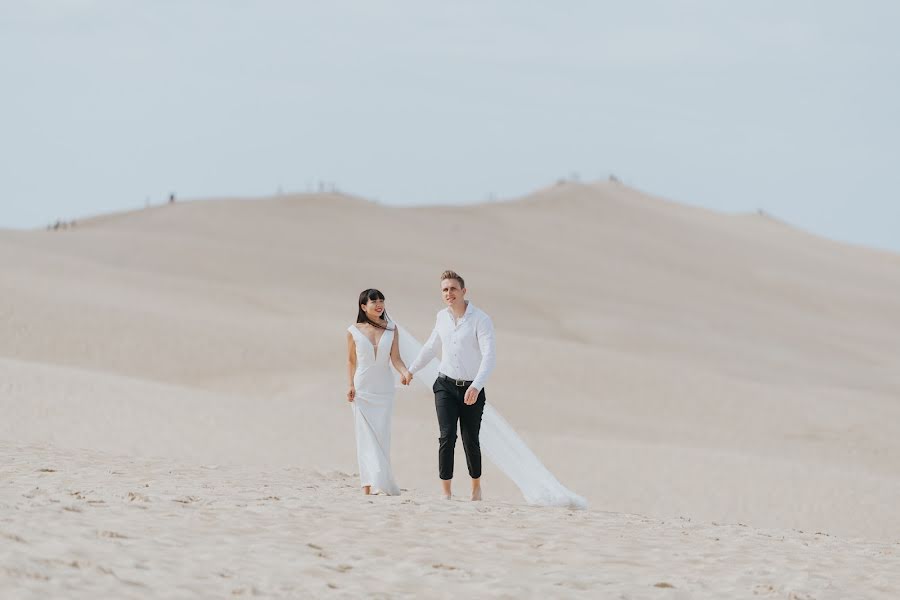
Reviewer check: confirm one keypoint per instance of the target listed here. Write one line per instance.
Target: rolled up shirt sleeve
(484, 331)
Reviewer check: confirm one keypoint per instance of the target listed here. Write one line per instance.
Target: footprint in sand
(244, 590)
(186, 499)
(111, 535)
(341, 568)
(21, 574)
(34, 493)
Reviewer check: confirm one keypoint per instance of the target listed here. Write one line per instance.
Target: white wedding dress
(372, 409)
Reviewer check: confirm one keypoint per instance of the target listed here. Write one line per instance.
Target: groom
(466, 337)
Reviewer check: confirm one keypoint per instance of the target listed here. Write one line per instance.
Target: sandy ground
(94, 525)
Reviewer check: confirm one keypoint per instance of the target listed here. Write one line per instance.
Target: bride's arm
(351, 365)
(397, 361)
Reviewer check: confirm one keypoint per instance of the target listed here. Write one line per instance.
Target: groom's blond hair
(453, 275)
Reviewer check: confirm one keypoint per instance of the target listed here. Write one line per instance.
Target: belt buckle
(460, 382)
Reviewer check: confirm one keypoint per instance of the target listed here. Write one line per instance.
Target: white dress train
(373, 407)
(501, 444)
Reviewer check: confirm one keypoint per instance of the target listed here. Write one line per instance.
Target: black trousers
(448, 401)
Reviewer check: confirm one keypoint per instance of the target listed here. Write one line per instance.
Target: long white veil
(501, 444)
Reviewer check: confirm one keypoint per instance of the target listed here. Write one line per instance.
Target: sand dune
(663, 360)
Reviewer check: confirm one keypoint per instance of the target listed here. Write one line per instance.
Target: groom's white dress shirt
(467, 346)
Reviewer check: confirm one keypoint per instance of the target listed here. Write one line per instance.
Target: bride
(373, 346)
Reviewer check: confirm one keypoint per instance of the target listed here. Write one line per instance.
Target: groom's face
(451, 291)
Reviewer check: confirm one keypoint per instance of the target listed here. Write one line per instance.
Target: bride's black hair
(362, 317)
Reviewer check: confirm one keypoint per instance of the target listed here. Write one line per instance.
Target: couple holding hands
(464, 335)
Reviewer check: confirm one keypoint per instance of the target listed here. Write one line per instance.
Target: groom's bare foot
(476, 490)
(445, 486)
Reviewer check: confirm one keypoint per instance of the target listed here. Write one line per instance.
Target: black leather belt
(456, 382)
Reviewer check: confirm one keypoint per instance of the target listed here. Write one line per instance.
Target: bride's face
(373, 309)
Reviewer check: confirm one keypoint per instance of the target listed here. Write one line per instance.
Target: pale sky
(788, 106)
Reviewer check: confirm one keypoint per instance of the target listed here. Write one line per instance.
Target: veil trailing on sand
(501, 444)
